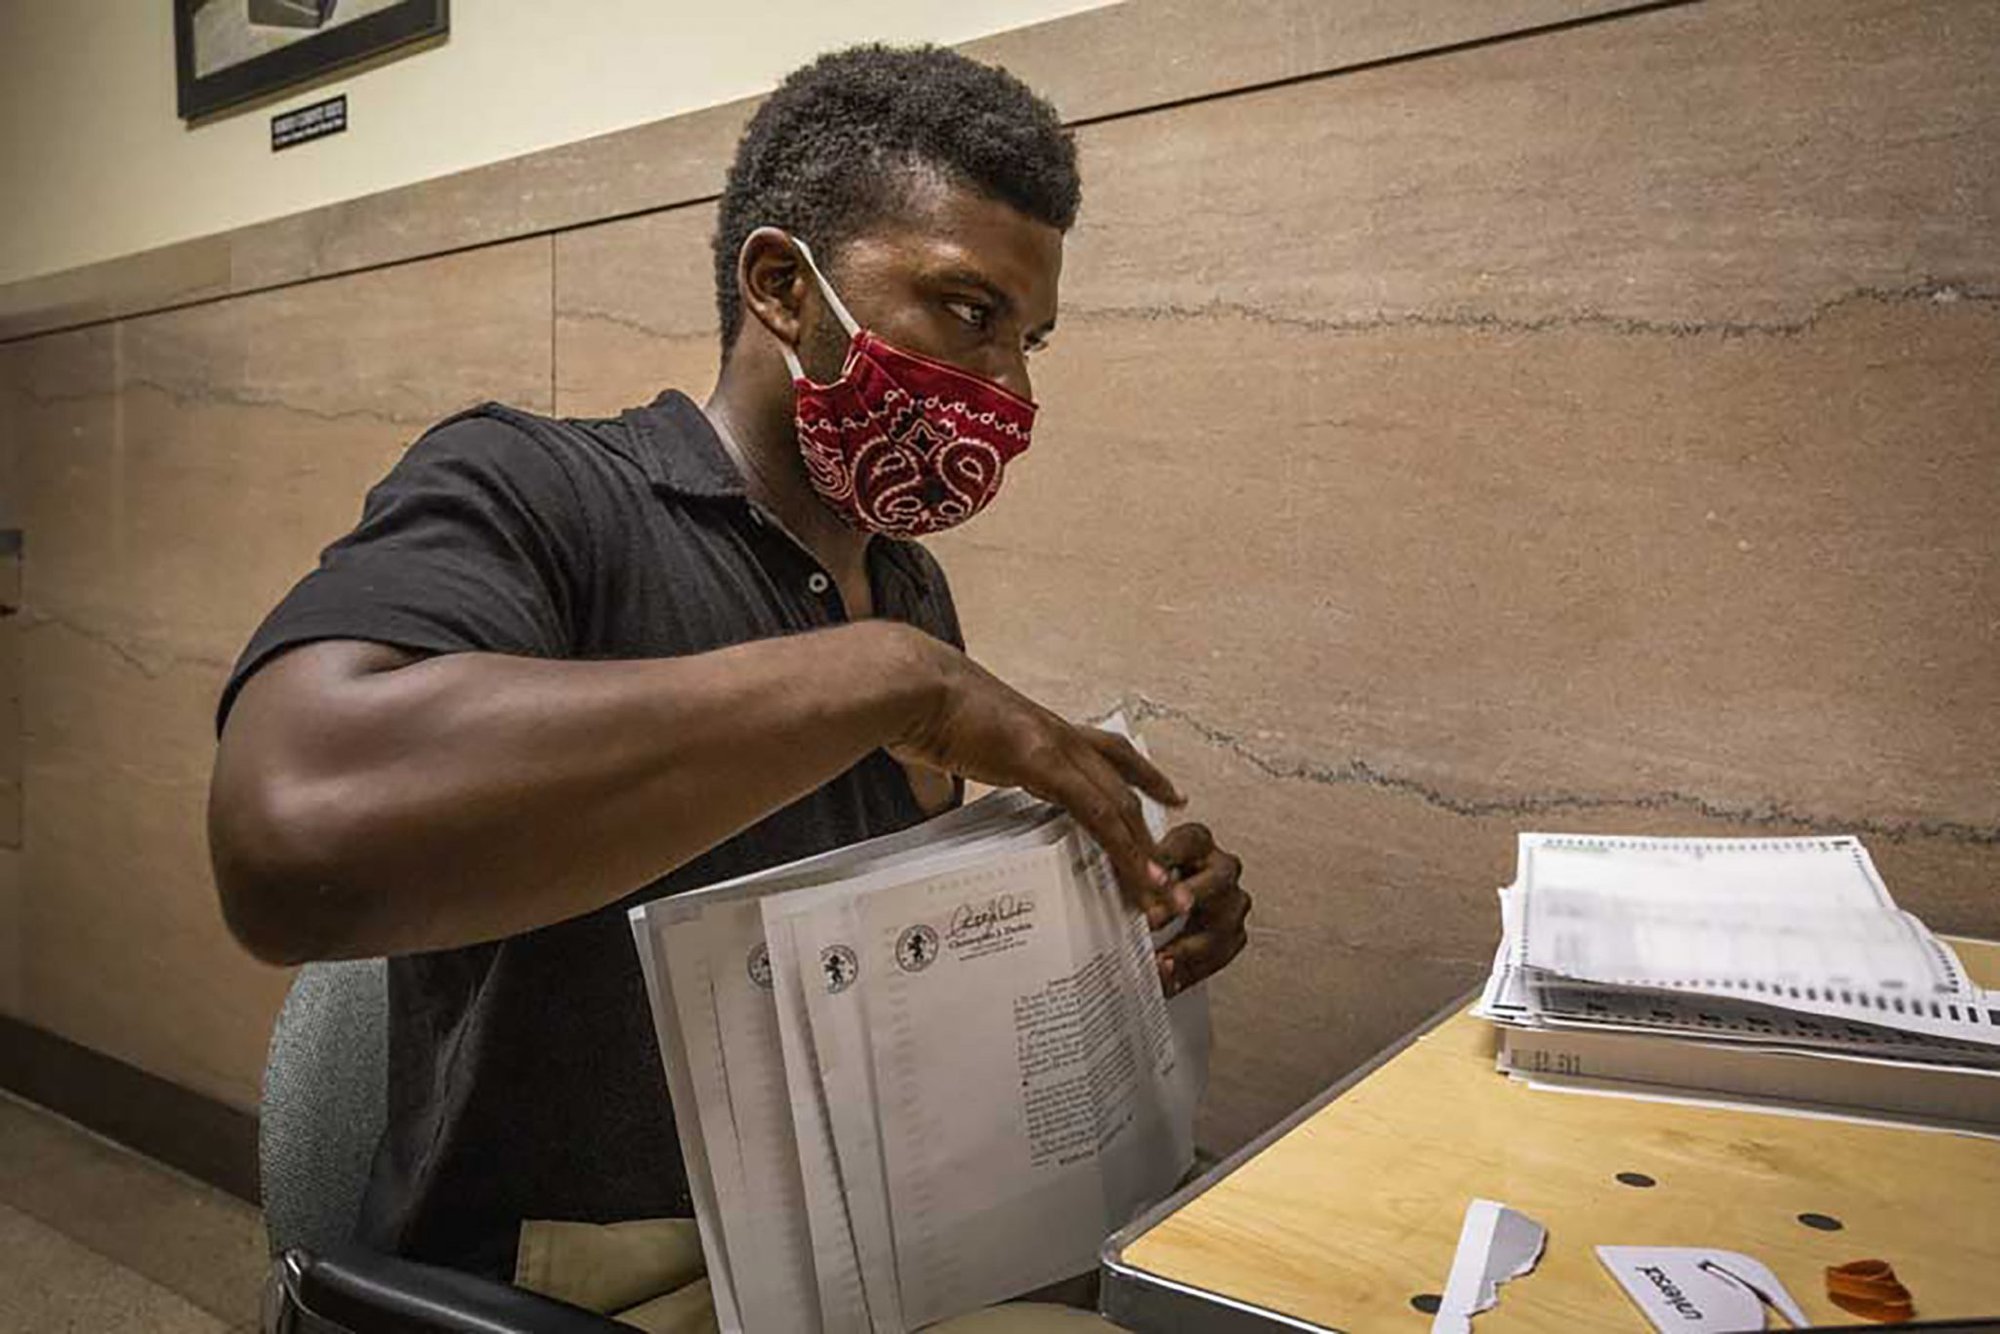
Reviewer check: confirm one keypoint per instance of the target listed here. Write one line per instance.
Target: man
(562, 667)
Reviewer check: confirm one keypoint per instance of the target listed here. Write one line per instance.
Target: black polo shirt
(524, 1076)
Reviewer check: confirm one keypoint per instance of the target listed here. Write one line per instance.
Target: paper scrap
(1699, 1288)
(1495, 1244)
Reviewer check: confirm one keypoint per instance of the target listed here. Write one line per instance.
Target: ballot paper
(921, 1074)
(1014, 1031)
(824, 1031)
(1805, 925)
(1756, 968)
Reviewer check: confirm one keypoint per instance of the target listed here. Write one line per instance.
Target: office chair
(325, 1100)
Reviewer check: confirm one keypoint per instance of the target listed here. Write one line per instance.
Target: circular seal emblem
(916, 948)
(839, 967)
(759, 965)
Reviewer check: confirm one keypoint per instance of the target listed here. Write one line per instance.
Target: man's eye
(971, 312)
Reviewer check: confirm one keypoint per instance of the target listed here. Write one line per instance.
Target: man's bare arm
(369, 802)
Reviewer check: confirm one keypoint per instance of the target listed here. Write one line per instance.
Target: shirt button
(818, 583)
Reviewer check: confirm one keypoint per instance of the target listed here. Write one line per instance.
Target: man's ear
(772, 281)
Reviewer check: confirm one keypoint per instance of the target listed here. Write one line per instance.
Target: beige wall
(96, 163)
(10, 722)
(10, 729)
(1598, 429)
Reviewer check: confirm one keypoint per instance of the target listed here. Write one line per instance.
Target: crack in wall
(1769, 813)
(151, 666)
(1935, 292)
(599, 315)
(1931, 292)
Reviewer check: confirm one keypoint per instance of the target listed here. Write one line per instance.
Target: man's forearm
(472, 796)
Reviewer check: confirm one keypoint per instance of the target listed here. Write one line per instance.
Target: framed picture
(231, 51)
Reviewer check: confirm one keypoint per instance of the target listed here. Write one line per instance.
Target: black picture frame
(301, 61)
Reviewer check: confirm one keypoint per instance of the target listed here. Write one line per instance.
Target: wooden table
(1342, 1215)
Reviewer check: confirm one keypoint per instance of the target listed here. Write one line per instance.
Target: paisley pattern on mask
(904, 445)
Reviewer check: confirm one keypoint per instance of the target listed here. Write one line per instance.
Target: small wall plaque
(308, 122)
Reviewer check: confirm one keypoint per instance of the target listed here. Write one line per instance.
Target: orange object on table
(1869, 1289)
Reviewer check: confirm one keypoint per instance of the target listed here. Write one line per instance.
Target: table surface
(1343, 1218)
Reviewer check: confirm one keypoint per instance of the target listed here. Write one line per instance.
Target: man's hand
(1206, 888)
(979, 727)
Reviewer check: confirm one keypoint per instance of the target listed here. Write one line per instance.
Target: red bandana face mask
(901, 444)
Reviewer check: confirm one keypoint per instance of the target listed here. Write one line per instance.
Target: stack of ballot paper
(1765, 970)
(918, 1075)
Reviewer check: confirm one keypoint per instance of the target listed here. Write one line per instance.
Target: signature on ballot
(982, 918)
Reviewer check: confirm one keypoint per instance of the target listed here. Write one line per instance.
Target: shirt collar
(678, 449)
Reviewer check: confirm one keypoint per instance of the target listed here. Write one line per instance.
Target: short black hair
(831, 151)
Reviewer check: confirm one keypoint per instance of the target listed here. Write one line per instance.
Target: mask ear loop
(832, 300)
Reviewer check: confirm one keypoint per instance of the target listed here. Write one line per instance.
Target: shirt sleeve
(472, 543)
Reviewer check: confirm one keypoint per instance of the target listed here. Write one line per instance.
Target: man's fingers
(1094, 795)
(1134, 768)
(1222, 910)
(1220, 936)
(1201, 877)
(1191, 958)
(1186, 845)
(1141, 873)
(1091, 774)
(1125, 768)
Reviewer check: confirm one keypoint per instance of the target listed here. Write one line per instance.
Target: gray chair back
(326, 1093)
